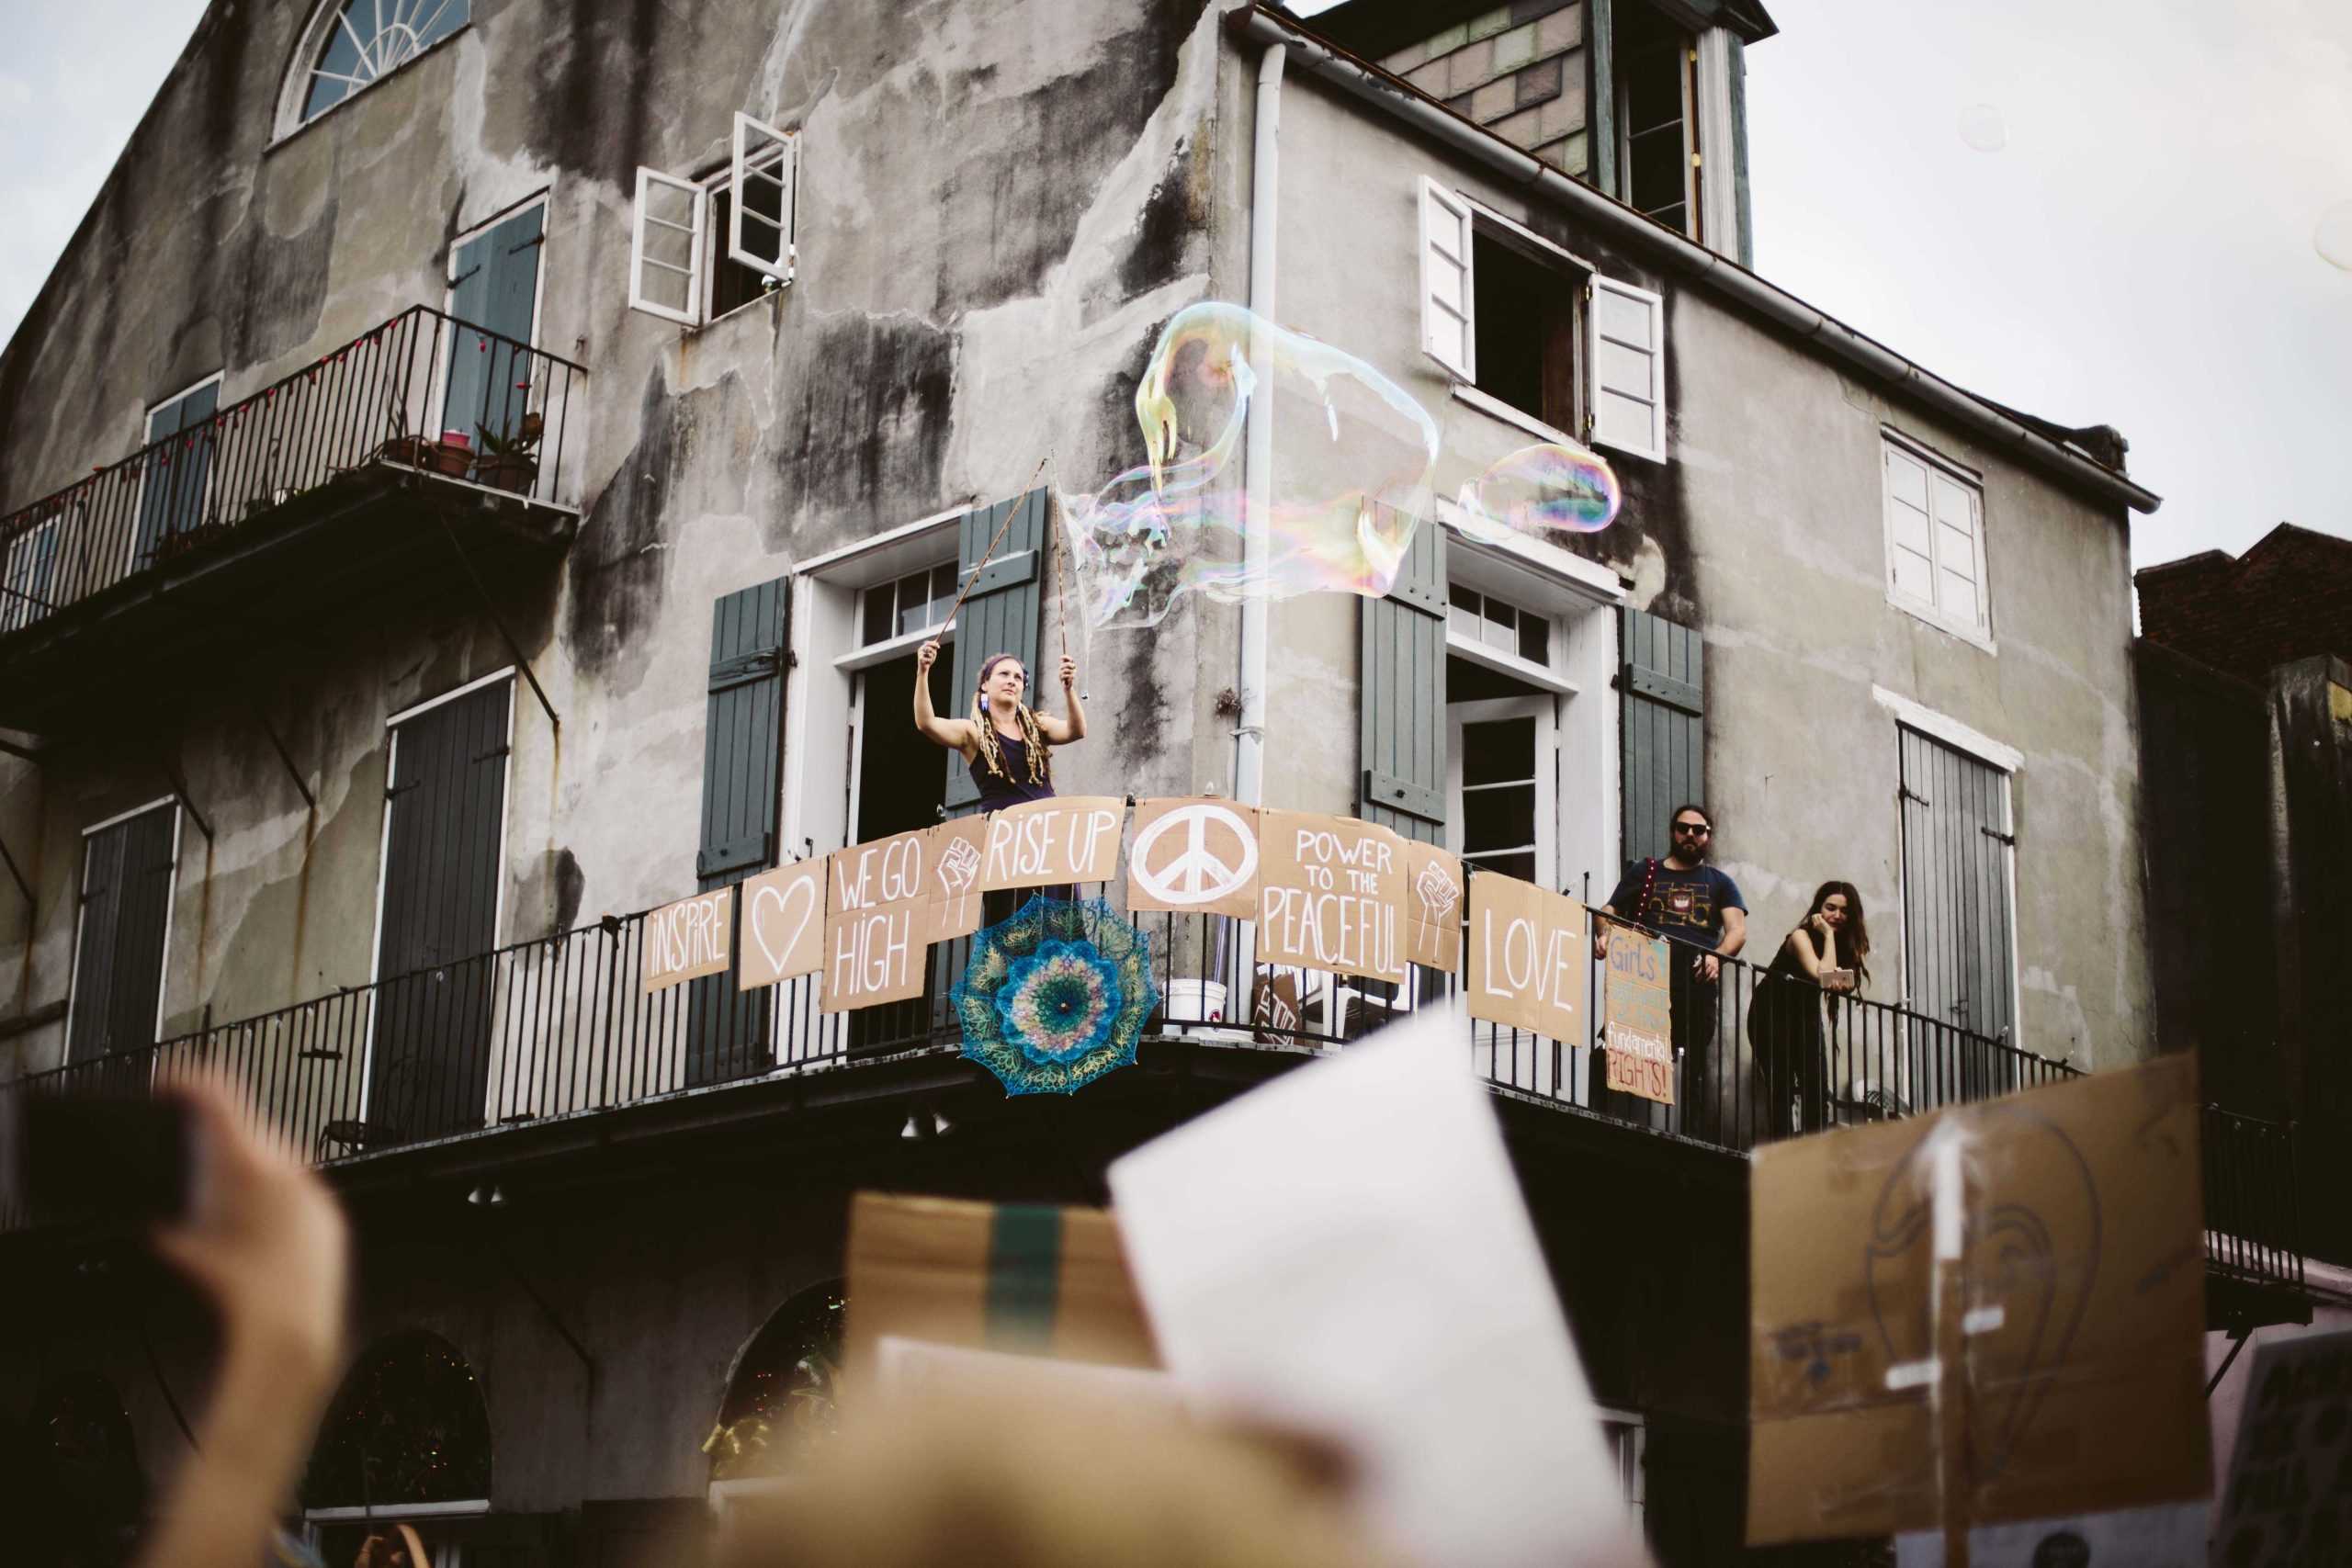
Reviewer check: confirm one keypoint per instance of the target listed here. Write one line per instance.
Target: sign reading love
(784, 925)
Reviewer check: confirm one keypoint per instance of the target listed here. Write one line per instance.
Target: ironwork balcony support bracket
(279, 747)
(179, 792)
(490, 608)
(22, 886)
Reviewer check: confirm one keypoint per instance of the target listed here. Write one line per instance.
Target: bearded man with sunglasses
(1698, 909)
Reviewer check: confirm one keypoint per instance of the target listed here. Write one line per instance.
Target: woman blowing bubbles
(1005, 742)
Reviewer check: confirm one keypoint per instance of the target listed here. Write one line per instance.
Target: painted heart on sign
(803, 892)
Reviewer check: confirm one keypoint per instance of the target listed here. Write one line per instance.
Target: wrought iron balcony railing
(423, 392)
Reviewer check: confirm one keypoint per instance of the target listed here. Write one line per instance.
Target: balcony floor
(372, 537)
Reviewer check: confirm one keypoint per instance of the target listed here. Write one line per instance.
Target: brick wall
(2288, 597)
(1518, 70)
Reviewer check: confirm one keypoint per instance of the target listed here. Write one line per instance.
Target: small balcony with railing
(556, 1042)
(427, 455)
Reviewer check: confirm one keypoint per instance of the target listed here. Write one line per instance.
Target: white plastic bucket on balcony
(1195, 1003)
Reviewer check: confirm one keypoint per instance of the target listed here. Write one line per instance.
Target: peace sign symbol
(1194, 876)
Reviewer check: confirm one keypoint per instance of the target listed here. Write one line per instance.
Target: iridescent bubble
(1982, 127)
(1538, 492)
(1348, 483)
(2333, 236)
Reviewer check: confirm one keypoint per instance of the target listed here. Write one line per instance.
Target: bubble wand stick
(1061, 563)
(990, 554)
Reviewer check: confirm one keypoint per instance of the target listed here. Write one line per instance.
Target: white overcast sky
(2140, 252)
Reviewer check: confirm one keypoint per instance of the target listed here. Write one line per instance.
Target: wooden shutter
(1002, 615)
(125, 925)
(742, 773)
(1448, 289)
(428, 1068)
(1956, 923)
(1628, 326)
(1661, 690)
(494, 284)
(1403, 696)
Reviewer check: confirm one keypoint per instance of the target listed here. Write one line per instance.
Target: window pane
(1951, 505)
(1498, 751)
(1535, 639)
(877, 614)
(1909, 529)
(1501, 626)
(1464, 616)
(1915, 577)
(1624, 319)
(1907, 479)
(1521, 865)
(1501, 818)
(914, 603)
(943, 591)
(1956, 552)
(1959, 599)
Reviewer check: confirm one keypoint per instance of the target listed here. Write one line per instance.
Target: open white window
(665, 248)
(1628, 353)
(705, 247)
(759, 218)
(1448, 289)
(1935, 541)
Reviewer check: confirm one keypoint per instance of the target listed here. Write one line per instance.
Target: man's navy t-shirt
(1685, 906)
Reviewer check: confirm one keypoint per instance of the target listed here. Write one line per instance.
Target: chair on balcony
(352, 1136)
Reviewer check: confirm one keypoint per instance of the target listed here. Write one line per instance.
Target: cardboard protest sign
(1528, 956)
(1636, 1005)
(1276, 1012)
(1073, 838)
(1330, 894)
(875, 908)
(1043, 1280)
(2169, 1536)
(1991, 1313)
(1433, 898)
(689, 939)
(784, 925)
(1195, 855)
(953, 852)
(2290, 1494)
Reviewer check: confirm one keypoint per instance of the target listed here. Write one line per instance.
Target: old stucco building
(555, 426)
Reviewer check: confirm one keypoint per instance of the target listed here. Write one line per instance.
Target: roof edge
(1402, 100)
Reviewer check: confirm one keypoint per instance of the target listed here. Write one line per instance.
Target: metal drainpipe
(1249, 734)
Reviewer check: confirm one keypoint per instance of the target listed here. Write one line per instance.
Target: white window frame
(1547, 677)
(782, 151)
(1545, 711)
(699, 206)
(1627, 1434)
(1979, 630)
(448, 1554)
(171, 909)
(1447, 218)
(384, 852)
(1653, 443)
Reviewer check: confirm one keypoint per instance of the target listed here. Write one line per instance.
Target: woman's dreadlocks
(1041, 766)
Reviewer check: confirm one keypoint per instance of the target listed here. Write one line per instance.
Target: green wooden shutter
(494, 282)
(1661, 690)
(1403, 715)
(1002, 615)
(741, 781)
(126, 908)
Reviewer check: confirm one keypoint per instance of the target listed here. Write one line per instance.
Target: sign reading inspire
(1636, 1005)
(1070, 839)
(875, 914)
(1331, 895)
(1527, 949)
(689, 939)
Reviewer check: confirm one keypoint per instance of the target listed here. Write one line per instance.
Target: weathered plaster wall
(1764, 528)
(998, 205)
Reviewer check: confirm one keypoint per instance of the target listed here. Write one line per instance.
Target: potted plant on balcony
(510, 462)
(452, 455)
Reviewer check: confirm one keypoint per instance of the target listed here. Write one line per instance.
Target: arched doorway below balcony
(779, 1405)
(407, 1440)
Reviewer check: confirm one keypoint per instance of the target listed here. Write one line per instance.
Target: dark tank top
(1013, 786)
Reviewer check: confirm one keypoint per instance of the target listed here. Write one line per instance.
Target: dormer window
(352, 44)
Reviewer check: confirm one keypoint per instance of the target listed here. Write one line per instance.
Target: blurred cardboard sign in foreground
(2290, 1497)
(2075, 1316)
(1029, 1278)
(2172, 1535)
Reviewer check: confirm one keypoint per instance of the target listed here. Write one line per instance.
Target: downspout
(1265, 170)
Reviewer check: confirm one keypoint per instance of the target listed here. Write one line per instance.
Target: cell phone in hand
(124, 1157)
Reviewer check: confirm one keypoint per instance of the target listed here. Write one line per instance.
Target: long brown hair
(1041, 766)
(1853, 941)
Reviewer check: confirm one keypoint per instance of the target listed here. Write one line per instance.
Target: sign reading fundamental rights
(1636, 1004)
(1528, 953)
(784, 925)
(1195, 856)
(1330, 894)
(1070, 839)
(687, 940)
(875, 908)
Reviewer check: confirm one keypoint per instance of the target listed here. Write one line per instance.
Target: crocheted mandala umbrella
(1057, 995)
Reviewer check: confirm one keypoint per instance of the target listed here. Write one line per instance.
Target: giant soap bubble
(1353, 461)
(1539, 491)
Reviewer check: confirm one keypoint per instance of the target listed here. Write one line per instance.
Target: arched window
(409, 1426)
(780, 1399)
(351, 43)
